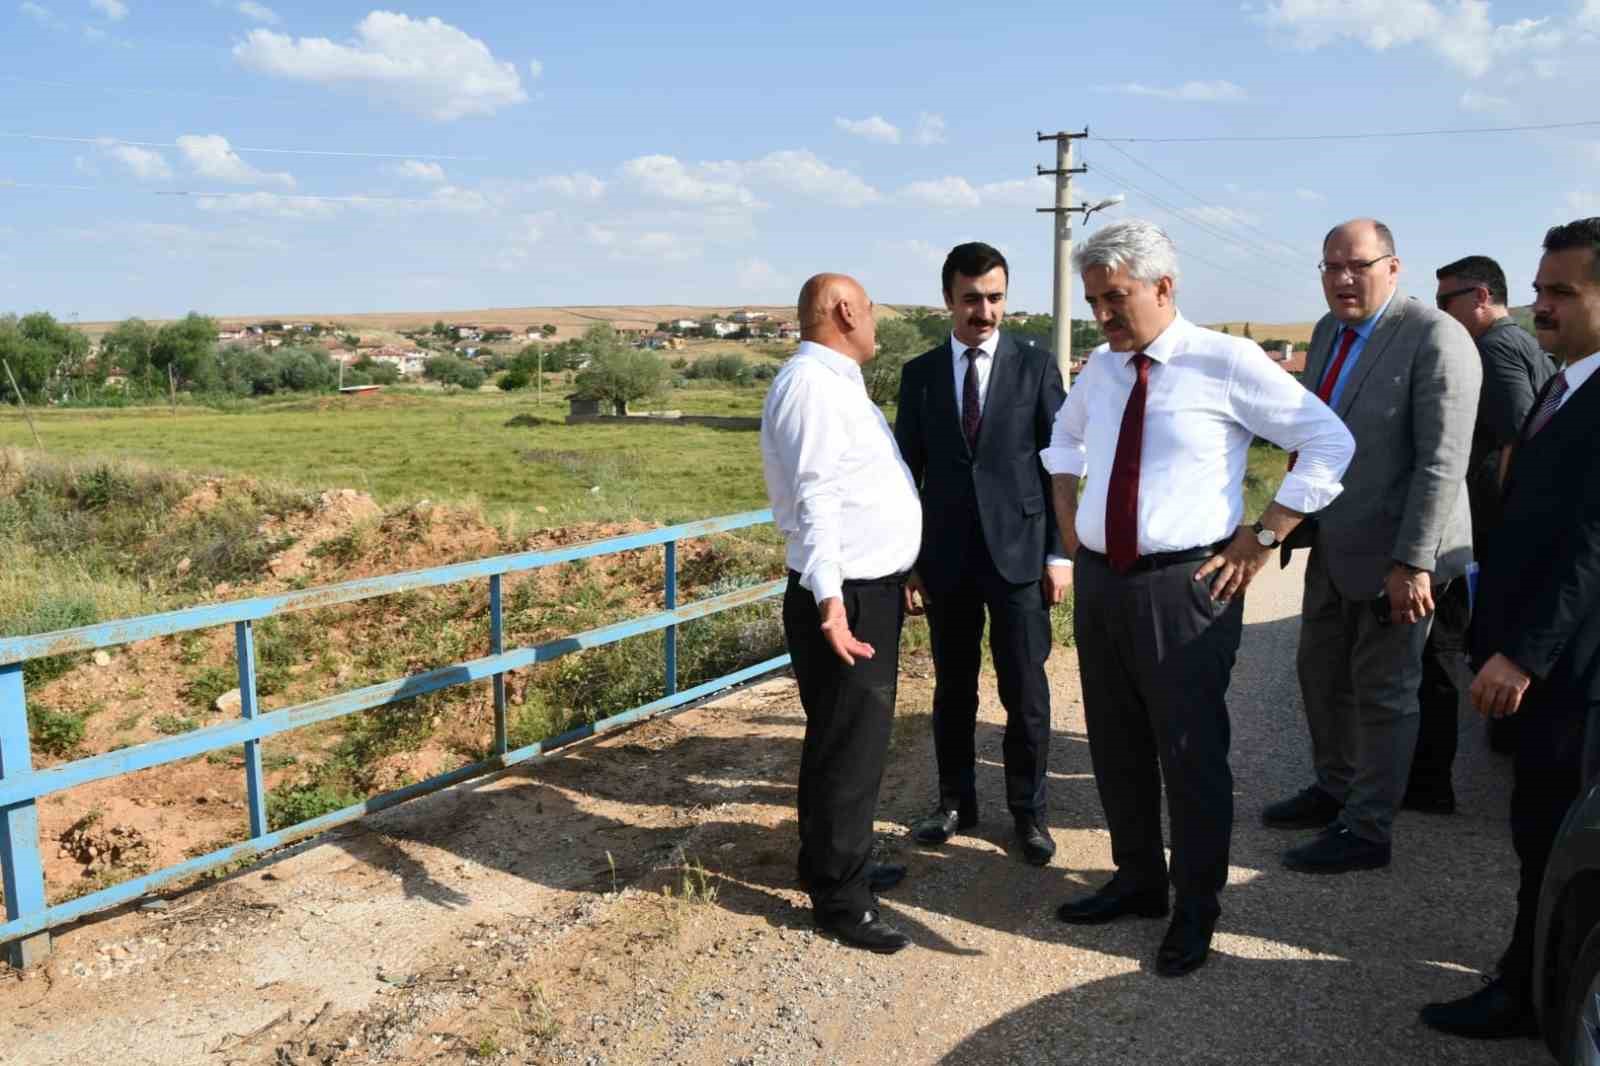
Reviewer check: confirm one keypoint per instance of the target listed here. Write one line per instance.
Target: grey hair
(1143, 247)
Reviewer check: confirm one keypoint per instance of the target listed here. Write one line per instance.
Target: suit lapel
(944, 415)
(1003, 373)
(1383, 335)
(1317, 357)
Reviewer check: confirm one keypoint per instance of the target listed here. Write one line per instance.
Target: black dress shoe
(866, 930)
(1310, 808)
(1187, 944)
(1336, 850)
(1037, 847)
(1109, 904)
(1491, 1013)
(1430, 801)
(938, 827)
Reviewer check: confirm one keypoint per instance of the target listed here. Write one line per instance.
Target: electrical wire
(195, 194)
(1271, 138)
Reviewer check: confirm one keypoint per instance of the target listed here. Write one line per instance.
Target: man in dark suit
(974, 414)
(1535, 636)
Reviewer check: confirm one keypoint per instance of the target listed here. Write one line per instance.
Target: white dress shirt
(1577, 374)
(841, 495)
(1208, 396)
(985, 361)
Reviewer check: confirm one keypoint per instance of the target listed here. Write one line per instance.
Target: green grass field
(407, 446)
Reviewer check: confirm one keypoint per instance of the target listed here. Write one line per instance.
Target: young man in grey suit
(1404, 377)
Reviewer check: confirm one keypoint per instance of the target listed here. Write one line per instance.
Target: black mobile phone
(1381, 608)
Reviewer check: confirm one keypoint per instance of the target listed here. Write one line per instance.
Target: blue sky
(583, 153)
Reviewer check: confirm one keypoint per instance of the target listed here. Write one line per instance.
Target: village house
(747, 317)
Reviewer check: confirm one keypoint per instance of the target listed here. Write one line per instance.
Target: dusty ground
(631, 902)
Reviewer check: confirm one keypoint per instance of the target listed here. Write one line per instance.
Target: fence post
(19, 825)
(496, 646)
(244, 642)
(671, 637)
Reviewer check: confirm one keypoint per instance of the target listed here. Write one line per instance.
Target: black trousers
(1156, 653)
(849, 712)
(1438, 698)
(1548, 777)
(1019, 640)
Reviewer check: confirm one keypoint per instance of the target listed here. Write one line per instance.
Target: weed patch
(55, 732)
(292, 804)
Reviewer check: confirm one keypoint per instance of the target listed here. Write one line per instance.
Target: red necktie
(1330, 378)
(971, 408)
(1122, 493)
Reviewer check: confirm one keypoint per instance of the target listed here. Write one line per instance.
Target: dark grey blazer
(1410, 403)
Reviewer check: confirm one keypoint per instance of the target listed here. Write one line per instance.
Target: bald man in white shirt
(1158, 427)
(846, 505)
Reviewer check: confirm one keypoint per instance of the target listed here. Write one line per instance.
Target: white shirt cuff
(825, 582)
(1057, 560)
(1064, 461)
(1307, 497)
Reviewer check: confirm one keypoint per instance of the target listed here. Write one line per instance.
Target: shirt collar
(838, 362)
(1363, 329)
(1581, 371)
(988, 347)
(1167, 344)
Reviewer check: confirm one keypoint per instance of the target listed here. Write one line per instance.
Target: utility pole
(1061, 307)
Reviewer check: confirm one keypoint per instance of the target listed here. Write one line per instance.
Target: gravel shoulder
(633, 902)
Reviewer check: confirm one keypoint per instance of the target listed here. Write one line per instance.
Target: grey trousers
(1359, 680)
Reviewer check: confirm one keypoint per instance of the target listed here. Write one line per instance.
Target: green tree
(128, 346)
(616, 373)
(189, 348)
(547, 330)
(453, 370)
(898, 340)
(45, 356)
(376, 373)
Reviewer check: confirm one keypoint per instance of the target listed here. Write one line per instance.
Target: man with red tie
(1404, 378)
(1158, 429)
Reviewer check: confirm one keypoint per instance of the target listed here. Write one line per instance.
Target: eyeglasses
(1444, 298)
(1355, 267)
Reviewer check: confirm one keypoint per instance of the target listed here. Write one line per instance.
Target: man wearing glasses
(1473, 292)
(1404, 377)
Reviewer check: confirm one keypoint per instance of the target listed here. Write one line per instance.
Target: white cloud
(1459, 31)
(417, 170)
(1310, 196)
(577, 186)
(260, 12)
(142, 163)
(1202, 92)
(535, 69)
(666, 177)
(423, 65)
(211, 157)
(40, 14)
(1484, 103)
(949, 193)
(115, 10)
(925, 254)
(1021, 192)
(874, 128)
(800, 171)
(930, 129)
(271, 204)
(759, 276)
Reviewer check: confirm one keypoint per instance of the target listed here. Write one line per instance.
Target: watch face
(1266, 538)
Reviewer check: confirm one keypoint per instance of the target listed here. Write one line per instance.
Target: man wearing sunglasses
(1473, 292)
(1404, 377)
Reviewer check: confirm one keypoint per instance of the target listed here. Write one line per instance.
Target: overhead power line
(1269, 138)
(53, 138)
(197, 194)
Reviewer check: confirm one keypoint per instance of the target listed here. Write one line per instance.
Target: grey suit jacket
(1410, 403)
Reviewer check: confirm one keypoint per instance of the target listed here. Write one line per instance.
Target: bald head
(834, 310)
(1359, 269)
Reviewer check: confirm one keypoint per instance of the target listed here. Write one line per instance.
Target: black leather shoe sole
(1375, 861)
(1099, 909)
(1444, 1018)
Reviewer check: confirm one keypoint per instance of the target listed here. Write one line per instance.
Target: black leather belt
(866, 582)
(1160, 560)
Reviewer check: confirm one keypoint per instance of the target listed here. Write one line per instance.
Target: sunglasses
(1444, 298)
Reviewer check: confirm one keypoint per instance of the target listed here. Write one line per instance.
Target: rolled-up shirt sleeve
(1276, 407)
(812, 440)
(1067, 453)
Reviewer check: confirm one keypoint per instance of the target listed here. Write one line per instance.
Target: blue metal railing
(28, 915)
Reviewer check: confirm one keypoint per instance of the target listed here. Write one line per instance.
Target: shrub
(289, 805)
(54, 732)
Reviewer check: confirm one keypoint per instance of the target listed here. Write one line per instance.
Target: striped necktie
(1547, 407)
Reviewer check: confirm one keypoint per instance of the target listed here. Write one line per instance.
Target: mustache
(1114, 323)
(1541, 322)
